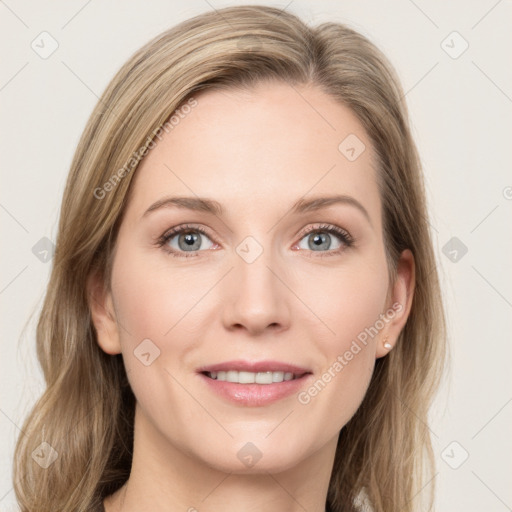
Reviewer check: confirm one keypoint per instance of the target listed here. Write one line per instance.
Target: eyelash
(343, 235)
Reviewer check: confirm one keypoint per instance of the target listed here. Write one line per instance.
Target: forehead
(260, 147)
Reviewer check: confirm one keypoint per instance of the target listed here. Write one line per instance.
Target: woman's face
(279, 277)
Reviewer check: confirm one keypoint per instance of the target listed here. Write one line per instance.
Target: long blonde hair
(87, 409)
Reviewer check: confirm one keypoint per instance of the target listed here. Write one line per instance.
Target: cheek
(149, 301)
(155, 307)
(352, 306)
(151, 297)
(348, 299)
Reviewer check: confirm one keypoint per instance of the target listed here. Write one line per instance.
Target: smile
(244, 377)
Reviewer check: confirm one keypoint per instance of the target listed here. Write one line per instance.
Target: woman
(244, 309)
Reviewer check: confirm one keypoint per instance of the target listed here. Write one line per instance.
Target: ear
(399, 303)
(103, 314)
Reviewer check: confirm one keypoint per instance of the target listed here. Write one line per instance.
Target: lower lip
(256, 395)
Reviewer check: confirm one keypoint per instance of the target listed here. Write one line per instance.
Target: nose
(256, 297)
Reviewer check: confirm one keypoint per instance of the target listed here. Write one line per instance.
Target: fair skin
(255, 152)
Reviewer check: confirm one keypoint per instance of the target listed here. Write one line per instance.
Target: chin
(254, 457)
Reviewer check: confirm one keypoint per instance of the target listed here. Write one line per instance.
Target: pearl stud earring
(387, 345)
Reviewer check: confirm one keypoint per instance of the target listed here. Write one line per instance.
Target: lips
(243, 391)
(255, 367)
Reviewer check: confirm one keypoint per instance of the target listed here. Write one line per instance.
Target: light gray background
(460, 110)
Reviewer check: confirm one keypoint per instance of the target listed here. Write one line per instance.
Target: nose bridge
(257, 298)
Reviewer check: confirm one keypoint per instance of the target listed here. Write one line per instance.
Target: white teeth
(277, 376)
(251, 377)
(247, 378)
(264, 378)
(232, 376)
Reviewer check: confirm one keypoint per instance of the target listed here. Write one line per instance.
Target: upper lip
(254, 366)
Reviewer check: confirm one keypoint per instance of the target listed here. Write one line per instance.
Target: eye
(185, 239)
(188, 241)
(325, 238)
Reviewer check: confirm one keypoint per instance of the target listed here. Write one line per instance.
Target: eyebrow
(203, 204)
